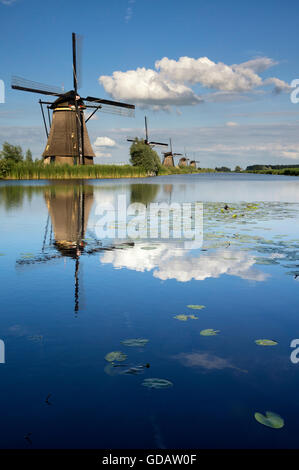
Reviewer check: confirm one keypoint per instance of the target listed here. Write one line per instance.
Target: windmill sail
(146, 140)
(19, 83)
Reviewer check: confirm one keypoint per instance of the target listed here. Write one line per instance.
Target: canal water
(149, 343)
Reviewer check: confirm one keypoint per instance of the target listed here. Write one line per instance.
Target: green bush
(142, 155)
(10, 152)
(5, 167)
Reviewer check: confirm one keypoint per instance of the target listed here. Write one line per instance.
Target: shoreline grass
(39, 171)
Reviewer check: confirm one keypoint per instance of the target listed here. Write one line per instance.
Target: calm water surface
(69, 298)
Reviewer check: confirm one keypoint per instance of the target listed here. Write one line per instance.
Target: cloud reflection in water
(172, 262)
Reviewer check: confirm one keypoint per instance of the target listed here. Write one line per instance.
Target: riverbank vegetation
(37, 170)
(288, 170)
(14, 165)
(144, 162)
(143, 156)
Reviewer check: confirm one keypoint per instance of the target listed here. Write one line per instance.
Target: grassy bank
(182, 171)
(37, 171)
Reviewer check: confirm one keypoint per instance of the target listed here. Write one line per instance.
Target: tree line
(14, 154)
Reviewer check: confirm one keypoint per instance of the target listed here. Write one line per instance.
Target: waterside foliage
(37, 170)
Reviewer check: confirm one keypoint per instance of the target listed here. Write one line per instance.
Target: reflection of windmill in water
(68, 140)
(168, 189)
(168, 159)
(68, 212)
(69, 208)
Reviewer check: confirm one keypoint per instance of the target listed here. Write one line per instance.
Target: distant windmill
(193, 163)
(68, 140)
(146, 140)
(168, 156)
(184, 161)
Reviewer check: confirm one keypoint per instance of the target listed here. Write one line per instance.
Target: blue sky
(221, 91)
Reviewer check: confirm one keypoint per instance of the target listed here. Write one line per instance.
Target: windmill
(184, 161)
(146, 140)
(168, 156)
(68, 140)
(193, 163)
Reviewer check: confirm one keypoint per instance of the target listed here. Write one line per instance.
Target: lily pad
(196, 307)
(265, 342)
(135, 342)
(181, 317)
(115, 356)
(209, 332)
(157, 383)
(272, 420)
(185, 317)
(111, 370)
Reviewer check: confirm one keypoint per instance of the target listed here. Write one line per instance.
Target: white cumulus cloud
(104, 142)
(103, 154)
(170, 84)
(147, 87)
(231, 124)
(7, 2)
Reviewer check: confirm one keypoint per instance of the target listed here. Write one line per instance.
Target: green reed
(24, 170)
(37, 170)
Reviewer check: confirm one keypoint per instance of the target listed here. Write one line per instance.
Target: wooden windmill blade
(77, 43)
(146, 129)
(152, 142)
(109, 102)
(19, 83)
(112, 107)
(79, 114)
(158, 143)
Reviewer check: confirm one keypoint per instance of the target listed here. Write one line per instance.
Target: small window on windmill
(47, 148)
(73, 135)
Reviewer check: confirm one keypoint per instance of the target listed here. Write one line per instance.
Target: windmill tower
(146, 140)
(168, 159)
(183, 162)
(68, 140)
(193, 163)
